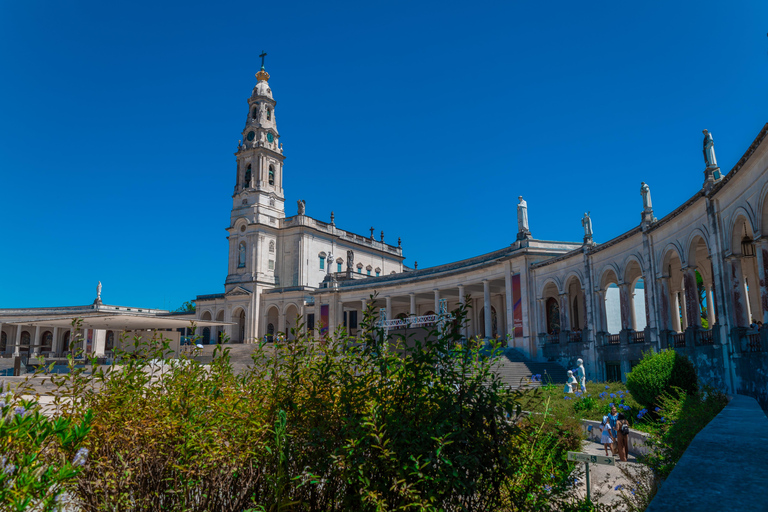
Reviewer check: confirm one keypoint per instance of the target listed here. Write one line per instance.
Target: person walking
(622, 426)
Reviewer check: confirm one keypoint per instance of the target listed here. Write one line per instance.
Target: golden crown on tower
(262, 75)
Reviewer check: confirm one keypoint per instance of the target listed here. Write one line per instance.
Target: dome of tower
(262, 86)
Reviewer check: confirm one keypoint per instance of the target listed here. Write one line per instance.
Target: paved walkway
(604, 479)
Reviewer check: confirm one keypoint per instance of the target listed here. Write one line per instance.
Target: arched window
(25, 340)
(247, 181)
(322, 262)
(553, 316)
(65, 342)
(338, 267)
(378, 272)
(271, 175)
(206, 335)
(269, 113)
(271, 246)
(270, 332)
(241, 256)
(255, 113)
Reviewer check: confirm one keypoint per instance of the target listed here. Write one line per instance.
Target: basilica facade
(694, 280)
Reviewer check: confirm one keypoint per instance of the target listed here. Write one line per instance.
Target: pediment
(237, 290)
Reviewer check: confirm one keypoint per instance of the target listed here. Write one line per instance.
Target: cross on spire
(263, 54)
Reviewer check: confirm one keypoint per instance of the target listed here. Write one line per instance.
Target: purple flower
(606, 387)
(9, 469)
(613, 395)
(547, 488)
(639, 416)
(80, 457)
(611, 404)
(618, 487)
(657, 409)
(19, 410)
(663, 420)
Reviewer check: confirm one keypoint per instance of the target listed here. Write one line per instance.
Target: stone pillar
(35, 348)
(741, 263)
(565, 317)
(7, 337)
(389, 307)
(675, 314)
(462, 301)
(437, 301)
(761, 250)
(740, 311)
(487, 308)
(632, 313)
(55, 344)
(683, 308)
(17, 345)
(624, 305)
(543, 327)
(100, 342)
(412, 296)
(710, 306)
(280, 320)
(509, 310)
(602, 326)
(317, 318)
(692, 311)
(664, 309)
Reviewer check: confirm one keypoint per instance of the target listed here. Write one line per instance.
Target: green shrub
(657, 373)
(342, 424)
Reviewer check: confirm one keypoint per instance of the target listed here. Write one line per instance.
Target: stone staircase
(515, 369)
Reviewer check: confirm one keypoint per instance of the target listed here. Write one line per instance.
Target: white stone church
(695, 280)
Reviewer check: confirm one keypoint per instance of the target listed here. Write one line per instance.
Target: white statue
(587, 223)
(241, 259)
(581, 375)
(709, 150)
(645, 191)
(302, 206)
(522, 215)
(569, 382)
(329, 263)
(98, 291)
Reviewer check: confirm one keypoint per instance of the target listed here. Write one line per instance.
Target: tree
(187, 307)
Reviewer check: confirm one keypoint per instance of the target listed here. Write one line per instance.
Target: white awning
(117, 322)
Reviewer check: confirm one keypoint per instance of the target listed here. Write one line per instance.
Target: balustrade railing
(574, 337)
(753, 343)
(706, 337)
(637, 337)
(678, 340)
(614, 339)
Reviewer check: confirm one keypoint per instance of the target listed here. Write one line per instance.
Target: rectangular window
(377, 274)
(338, 267)
(359, 271)
(311, 321)
(613, 372)
(271, 264)
(322, 263)
(369, 272)
(353, 319)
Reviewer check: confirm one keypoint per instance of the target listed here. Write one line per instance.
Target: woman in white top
(607, 438)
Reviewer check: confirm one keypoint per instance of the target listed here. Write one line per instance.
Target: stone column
(663, 302)
(55, 344)
(437, 301)
(543, 327)
(692, 311)
(602, 325)
(683, 308)
(389, 307)
(624, 305)
(317, 318)
(487, 308)
(17, 346)
(710, 305)
(7, 339)
(742, 262)
(676, 312)
(632, 313)
(35, 348)
(740, 312)
(412, 296)
(280, 320)
(463, 300)
(509, 310)
(761, 250)
(565, 317)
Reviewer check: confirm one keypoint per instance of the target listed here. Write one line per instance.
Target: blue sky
(425, 120)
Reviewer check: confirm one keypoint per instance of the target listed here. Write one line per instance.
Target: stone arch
(549, 283)
(240, 223)
(218, 331)
(291, 320)
(741, 226)
(273, 316)
(611, 304)
(762, 207)
(672, 305)
(239, 316)
(46, 341)
(668, 255)
(206, 315)
(745, 281)
(576, 302)
(65, 339)
(609, 274)
(692, 255)
(637, 307)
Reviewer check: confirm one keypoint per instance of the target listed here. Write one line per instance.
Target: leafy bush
(658, 373)
(681, 416)
(39, 454)
(344, 424)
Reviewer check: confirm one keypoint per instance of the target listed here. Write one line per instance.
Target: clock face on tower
(270, 138)
(251, 135)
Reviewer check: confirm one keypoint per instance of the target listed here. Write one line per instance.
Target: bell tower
(258, 193)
